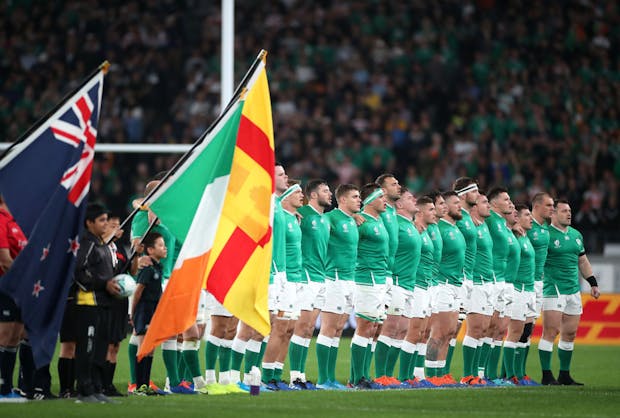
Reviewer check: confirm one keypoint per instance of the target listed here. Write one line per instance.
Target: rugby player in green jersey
(467, 190)
(523, 297)
(404, 271)
(339, 282)
(314, 239)
(387, 329)
(288, 311)
(566, 258)
(370, 271)
(542, 209)
(449, 283)
(248, 342)
(413, 349)
(479, 304)
(503, 238)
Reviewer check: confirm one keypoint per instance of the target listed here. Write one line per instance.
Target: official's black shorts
(118, 320)
(142, 317)
(68, 328)
(9, 312)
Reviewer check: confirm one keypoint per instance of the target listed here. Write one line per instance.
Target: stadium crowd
(508, 93)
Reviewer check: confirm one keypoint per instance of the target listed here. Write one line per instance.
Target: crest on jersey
(556, 243)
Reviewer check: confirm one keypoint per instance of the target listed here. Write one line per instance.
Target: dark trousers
(92, 323)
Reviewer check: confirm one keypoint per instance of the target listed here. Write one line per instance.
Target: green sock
(358, 358)
(212, 350)
(267, 374)
(180, 364)
(323, 351)
(518, 368)
(509, 359)
(191, 361)
(333, 359)
(303, 358)
(294, 354)
(406, 359)
(381, 354)
(526, 352)
(236, 358)
(132, 351)
(263, 347)
(392, 358)
(171, 364)
(368, 360)
(565, 358)
(545, 350)
(493, 362)
(277, 373)
(470, 345)
(225, 354)
(483, 359)
(451, 346)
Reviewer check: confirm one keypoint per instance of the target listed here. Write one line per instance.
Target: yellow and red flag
(219, 203)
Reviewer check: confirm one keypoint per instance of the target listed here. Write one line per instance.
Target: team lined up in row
(408, 268)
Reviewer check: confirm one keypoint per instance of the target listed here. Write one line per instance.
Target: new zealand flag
(44, 181)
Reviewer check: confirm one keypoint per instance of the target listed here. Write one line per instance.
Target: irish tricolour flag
(218, 203)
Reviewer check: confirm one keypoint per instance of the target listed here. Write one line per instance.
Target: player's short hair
(313, 185)
(448, 194)
(94, 210)
(150, 238)
(482, 192)
(367, 189)
(520, 206)
(343, 189)
(434, 195)
(537, 199)
(424, 200)
(383, 177)
(495, 192)
(462, 182)
(558, 201)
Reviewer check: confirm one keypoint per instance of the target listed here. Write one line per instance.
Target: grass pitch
(598, 367)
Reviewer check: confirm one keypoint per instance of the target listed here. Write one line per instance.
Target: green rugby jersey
(525, 275)
(562, 265)
(424, 273)
(452, 255)
(140, 224)
(278, 256)
(539, 237)
(391, 225)
(500, 234)
(433, 233)
(373, 252)
(469, 231)
(342, 246)
(407, 255)
(513, 260)
(293, 249)
(483, 266)
(314, 238)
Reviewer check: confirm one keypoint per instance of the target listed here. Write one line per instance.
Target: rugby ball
(126, 283)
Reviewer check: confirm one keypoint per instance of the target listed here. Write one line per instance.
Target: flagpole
(134, 251)
(261, 56)
(105, 66)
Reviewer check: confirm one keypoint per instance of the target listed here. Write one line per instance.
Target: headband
(290, 191)
(372, 196)
(472, 187)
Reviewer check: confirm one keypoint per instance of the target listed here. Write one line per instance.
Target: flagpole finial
(263, 55)
(105, 67)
